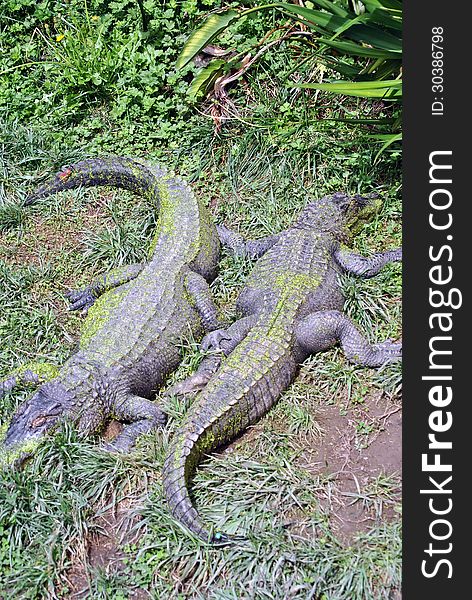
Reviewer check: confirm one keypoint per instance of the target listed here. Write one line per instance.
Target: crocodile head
(36, 417)
(360, 210)
(340, 214)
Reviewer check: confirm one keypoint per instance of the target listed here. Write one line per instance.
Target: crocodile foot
(80, 299)
(26, 376)
(192, 384)
(7, 385)
(212, 340)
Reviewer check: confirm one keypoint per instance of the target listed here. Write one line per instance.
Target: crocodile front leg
(322, 330)
(362, 266)
(240, 247)
(35, 373)
(141, 416)
(83, 299)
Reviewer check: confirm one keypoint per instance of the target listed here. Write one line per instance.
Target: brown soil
(358, 450)
(103, 549)
(102, 552)
(355, 450)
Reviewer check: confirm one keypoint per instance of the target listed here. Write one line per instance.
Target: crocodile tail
(178, 467)
(117, 171)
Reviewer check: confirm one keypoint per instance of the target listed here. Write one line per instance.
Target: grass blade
(391, 89)
(389, 140)
(358, 50)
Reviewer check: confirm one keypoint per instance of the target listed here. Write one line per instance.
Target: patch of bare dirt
(359, 458)
(102, 551)
(104, 548)
(46, 240)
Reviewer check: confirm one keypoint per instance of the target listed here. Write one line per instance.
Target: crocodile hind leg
(141, 416)
(222, 340)
(322, 330)
(240, 247)
(83, 299)
(35, 373)
(362, 266)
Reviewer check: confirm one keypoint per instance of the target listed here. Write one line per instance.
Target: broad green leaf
(334, 24)
(394, 6)
(366, 85)
(382, 17)
(203, 79)
(202, 36)
(316, 17)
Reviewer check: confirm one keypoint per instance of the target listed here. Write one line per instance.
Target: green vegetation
(370, 31)
(76, 518)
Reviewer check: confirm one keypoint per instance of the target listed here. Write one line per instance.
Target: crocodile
(291, 307)
(137, 316)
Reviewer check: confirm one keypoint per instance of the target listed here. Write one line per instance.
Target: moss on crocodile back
(291, 282)
(363, 216)
(166, 219)
(99, 312)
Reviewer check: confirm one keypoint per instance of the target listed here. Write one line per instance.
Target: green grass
(271, 158)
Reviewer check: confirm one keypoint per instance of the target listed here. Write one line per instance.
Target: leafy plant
(335, 34)
(90, 71)
(66, 511)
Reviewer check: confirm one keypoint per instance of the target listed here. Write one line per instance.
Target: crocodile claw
(224, 539)
(80, 299)
(212, 341)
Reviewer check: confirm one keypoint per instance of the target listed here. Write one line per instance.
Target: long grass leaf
(391, 89)
(357, 50)
(202, 80)
(389, 140)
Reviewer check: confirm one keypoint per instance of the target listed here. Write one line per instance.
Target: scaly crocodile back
(131, 336)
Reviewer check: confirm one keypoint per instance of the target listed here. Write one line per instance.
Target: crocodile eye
(38, 422)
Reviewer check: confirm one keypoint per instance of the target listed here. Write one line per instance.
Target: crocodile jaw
(16, 454)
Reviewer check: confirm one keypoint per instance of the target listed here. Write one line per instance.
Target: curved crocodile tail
(121, 172)
(182, 457)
